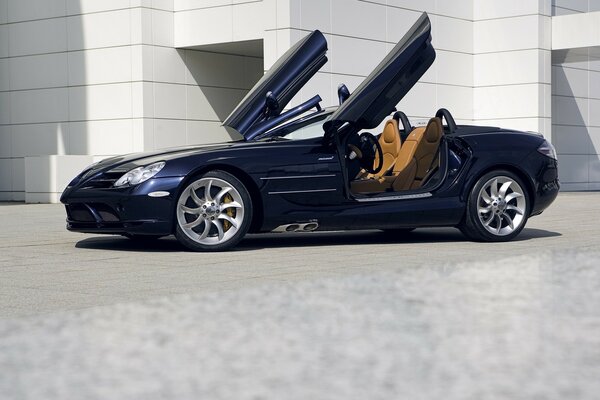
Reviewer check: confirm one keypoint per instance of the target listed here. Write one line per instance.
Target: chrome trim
(402, 197)
(297, 177)
(160, 193)
(303, 191)
(297, 227)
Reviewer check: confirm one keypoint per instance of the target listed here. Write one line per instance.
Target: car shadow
(350, 238)
(120, 243)
(309, 239)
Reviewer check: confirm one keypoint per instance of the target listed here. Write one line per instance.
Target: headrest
(434, 130)
(390, 131)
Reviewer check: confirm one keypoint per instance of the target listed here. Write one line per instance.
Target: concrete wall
(85, 79)
(70, 88)
(358, 43)
(81, 80)
(565, 7)
(576, 93)
(512, 64)
(480, 48)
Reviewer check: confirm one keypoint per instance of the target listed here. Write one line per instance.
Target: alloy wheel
(501, 205)
(210, 211)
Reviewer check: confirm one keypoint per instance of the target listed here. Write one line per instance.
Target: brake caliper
(230, 211)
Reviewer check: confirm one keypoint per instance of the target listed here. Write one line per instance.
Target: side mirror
(271, 103)
(343, 93)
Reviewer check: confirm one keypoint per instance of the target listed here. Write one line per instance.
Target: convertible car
(311, 168)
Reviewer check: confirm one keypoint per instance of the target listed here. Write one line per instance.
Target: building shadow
(572, 93)
(221, 75)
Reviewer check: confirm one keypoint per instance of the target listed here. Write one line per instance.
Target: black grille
(91, 212)
(79, 212)
(104, 180)
(105, 212)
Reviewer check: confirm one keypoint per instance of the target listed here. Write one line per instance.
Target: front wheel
(497, 208)
(213, 213)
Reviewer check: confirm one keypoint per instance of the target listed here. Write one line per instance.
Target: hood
(380, 92)
(126, 162)
(148, 157)
(285, 78)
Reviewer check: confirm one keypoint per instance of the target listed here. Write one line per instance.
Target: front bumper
(122, 210)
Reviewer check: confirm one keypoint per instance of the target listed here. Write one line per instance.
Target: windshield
(307, 127)
(312, 130)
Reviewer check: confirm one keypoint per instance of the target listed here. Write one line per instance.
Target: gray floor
(334, 315)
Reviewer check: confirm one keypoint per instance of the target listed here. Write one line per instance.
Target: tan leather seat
(417, 156)
(390, 144)
(414, 162)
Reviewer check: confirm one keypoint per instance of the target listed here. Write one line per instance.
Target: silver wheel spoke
(194, 223)
(489, 220)
(486, 197)
(513, 195)
(207, 191)
(195, 197)
(219, 226)
(227, 218)
(188, 210)
(204, 233)
(504, 188)
(222, 193)
(515, 208)
(509, 220)
(233, 204)
(485, 210)
(494, 188)
(499, 218)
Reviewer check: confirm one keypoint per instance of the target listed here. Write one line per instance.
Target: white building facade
(81, 80)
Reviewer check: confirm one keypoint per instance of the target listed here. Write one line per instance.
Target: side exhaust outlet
(297, 227)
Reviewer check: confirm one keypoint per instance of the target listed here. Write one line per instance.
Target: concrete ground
(317, 315)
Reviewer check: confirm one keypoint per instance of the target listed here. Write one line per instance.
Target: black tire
(493, 225)
(230, 233)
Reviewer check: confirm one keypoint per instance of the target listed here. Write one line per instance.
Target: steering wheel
(370, 148)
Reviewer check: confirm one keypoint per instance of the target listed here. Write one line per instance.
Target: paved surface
(335, 315)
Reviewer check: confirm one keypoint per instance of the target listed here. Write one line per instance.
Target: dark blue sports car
(312, 168)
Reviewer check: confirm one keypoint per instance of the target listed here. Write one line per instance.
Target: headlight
(548, 150)
(140, 174)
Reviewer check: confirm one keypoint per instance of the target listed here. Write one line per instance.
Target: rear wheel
(497, 208)
(213, 212)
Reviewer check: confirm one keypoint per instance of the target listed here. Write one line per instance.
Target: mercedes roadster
(311, 168)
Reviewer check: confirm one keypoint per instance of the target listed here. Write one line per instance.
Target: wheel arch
(244, 177)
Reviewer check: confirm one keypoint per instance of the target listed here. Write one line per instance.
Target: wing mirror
(343, 93)
(271, 103)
